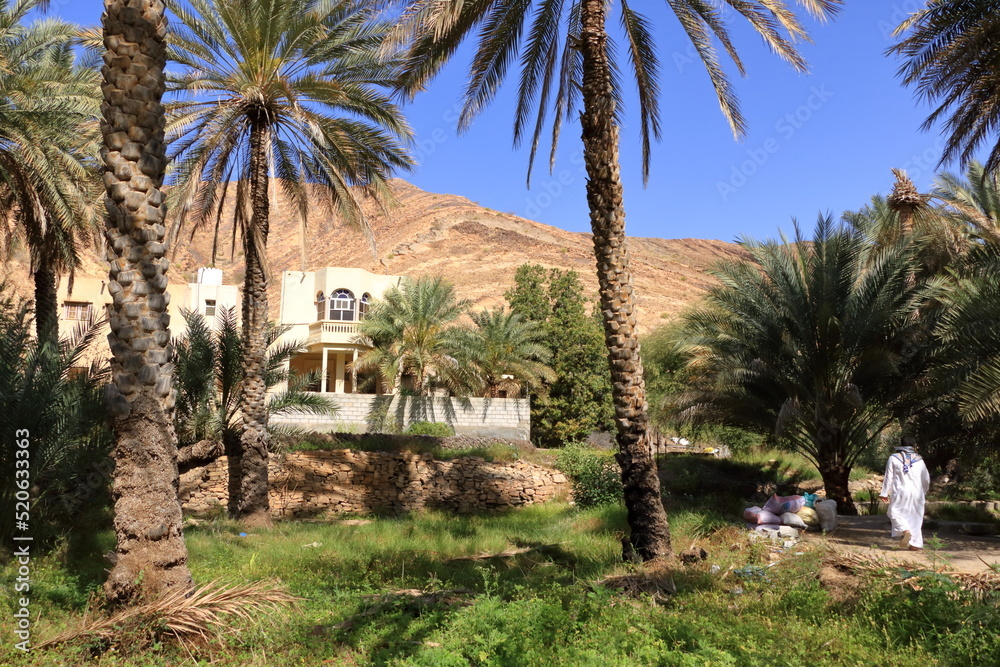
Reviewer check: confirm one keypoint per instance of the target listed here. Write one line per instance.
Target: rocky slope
(476, 248)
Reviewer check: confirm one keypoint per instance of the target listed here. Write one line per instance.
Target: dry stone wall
(339, 481)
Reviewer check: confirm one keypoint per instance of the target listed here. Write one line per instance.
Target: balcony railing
(332, 332)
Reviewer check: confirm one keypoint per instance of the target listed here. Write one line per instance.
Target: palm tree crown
(952, 57)
(411, 333)
(506, 352)
(544, 36)
(307, 74)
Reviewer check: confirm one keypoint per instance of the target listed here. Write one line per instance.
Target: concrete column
(322, 382)
(341, 363)
(354, 372)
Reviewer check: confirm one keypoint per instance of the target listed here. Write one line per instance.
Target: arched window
(342, 305)
(320, 306)
(363, 305)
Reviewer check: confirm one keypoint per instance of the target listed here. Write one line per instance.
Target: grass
(420, 590)
(529, 587)
(961, 512)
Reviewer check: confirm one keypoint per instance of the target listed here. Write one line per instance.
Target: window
(209, 307)
(76, 310)
(320, 306)
(342, 305)
(363, 306)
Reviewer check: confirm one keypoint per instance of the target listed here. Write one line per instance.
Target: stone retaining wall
(338, 481)
(486, 417)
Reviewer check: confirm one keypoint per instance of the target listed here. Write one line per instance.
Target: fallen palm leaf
(506, 553)
(184, 613)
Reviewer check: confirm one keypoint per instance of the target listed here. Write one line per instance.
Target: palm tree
(48, 151)
(582, 64)
(209, 373)
(507, 353)
(411, 335)
(57, 414)
(952, 58)
(290, 89)
(810, 341)
(152, 556)
(975, 199)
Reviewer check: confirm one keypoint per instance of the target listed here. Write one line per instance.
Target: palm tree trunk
(650, 532)
(253, 503)
(46, 304)
(151, 554)
(231, 446)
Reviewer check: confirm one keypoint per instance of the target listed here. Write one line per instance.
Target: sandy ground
(870, 535)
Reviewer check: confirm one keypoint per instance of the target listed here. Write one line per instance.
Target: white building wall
(489, 417)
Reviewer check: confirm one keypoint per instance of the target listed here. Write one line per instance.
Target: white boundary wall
(485, 417)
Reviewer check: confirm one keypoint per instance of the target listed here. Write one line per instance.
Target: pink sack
(781, 504)
(756, 515)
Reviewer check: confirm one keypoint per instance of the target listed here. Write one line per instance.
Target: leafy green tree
(291, 89)
(577, 401)
(506, 352)
(208, 376)
(952, 58)
(412, 338)
(811, 341)
(567, 57)
(48, 150)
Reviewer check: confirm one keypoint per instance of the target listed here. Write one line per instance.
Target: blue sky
(822, 142)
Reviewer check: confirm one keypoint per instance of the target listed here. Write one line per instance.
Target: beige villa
(323, 309)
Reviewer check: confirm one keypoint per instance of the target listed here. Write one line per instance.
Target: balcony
(329, 331)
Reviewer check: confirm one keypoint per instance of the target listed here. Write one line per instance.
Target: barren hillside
(477, 248)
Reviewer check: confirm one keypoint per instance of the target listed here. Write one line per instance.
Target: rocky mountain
(475, 247)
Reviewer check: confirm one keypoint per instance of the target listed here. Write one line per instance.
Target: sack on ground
(809, 516)
(793, 519)
(827, 511)
(781, 504)
(756, 515)
(810, 499)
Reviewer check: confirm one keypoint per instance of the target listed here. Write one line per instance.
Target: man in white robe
(904, 488)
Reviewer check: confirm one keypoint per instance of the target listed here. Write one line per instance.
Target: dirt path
(870, 535)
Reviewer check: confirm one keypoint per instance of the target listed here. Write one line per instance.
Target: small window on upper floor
(320, 306)
(76, 310)
(342, 305)
(363, 305)
(209, 307)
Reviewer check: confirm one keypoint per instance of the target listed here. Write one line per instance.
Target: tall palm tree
(810, 341)
(581, 62)
(507, 353)
(48, 151)
(152, 556)
(412, 337)
(209, 373)
(288, 89)
(952, 58)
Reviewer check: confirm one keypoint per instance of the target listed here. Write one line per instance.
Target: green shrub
(436, 429)
(594, 475)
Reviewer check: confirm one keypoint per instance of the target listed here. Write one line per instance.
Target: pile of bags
(801, 512)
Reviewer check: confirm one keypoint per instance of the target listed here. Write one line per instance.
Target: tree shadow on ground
(723, 483)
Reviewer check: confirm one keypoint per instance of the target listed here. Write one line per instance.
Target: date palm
(48, 151)
(290, 89)
(566, 55)
(811, 341)
(506, 352)
(412, 336)
(152, 556)
(952, 58)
